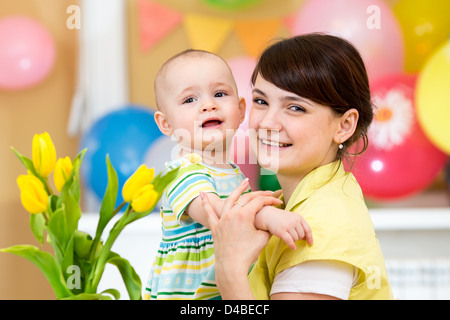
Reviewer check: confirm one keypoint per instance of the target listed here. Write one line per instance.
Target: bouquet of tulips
(75, 269)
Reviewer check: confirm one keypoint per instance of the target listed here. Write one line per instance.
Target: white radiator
(427, 279)
(416, 247)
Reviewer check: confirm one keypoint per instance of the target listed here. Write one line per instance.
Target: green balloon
(232, 4)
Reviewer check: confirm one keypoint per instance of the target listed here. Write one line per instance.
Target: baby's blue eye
(189, 100)
(220, 94)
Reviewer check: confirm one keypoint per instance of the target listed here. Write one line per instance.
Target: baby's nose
(209, 107)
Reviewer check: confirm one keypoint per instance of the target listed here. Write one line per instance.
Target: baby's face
(199, 98)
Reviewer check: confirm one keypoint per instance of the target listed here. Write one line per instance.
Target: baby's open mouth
(211, 123)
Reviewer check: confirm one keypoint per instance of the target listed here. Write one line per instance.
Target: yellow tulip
(44, 154)
(63, 169)
(32, 194)
(145, 199)
(140, 178)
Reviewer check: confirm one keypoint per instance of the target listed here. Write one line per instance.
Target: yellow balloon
(425, 24)
(433, 98)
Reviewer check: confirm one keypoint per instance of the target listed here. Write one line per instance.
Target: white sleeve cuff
(333, 278)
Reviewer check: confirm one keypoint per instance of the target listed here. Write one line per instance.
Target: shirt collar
(314, 180)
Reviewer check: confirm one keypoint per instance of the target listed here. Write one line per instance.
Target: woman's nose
(270, 121)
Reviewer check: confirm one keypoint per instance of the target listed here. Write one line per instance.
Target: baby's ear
(163, 123)
(242, 107)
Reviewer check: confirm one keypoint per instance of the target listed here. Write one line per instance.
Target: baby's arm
(196, 211)
(288, 226)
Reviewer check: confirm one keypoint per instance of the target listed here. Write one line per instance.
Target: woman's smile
(271, 143)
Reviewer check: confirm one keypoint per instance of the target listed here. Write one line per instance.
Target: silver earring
(341, 146)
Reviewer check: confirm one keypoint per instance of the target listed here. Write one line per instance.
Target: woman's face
(290, 134)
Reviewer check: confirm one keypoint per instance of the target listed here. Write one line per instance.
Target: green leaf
(106, 210)
(52, 203)
(115, 293)
(129, 276)
(62, 238)
(75, 187)
(161, 181)
(85, 269)
(57, 229)
(48, 265)
(72, 210)
(25, 161)
(67, 259)
(88, 296)
(109, 199)
(30, 166)
(37, 225)
(70, 195)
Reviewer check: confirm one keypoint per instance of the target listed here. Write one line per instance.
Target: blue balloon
(125, 135)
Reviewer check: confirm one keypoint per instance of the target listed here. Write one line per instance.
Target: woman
(311, 102)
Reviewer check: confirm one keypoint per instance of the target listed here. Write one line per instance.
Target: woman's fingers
(257, 203)
(211, 214)
(234, 195)
(246, 198)
(277, 193)
(236, 240)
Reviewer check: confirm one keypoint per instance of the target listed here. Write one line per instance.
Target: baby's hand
(288, 226)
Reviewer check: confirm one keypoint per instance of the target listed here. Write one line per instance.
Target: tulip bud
(141, 177)
(145, 199)
(83, 243)
(43, 154)
(32, 194)
(63, 168)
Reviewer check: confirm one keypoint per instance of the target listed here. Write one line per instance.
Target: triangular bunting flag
(289, 22)
(155, 22)
(206, 32)
(256, 34)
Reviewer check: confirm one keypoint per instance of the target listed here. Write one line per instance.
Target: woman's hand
(236, 197)
(237, 243)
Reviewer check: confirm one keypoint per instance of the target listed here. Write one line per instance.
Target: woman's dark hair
(325, 69)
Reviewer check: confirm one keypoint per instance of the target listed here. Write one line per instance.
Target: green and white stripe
(184, 264)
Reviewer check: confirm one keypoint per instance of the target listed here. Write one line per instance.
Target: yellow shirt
(331, 201)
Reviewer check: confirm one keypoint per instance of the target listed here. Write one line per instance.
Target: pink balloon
(244, 156)
(27, 52)
(400, 160)
(241, 152)
(369, 24)
(242, 68)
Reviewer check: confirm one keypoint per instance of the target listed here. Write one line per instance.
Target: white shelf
(385, 219)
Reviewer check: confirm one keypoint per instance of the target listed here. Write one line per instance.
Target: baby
(198, 104)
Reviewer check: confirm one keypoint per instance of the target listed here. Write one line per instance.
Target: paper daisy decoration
(393, 119)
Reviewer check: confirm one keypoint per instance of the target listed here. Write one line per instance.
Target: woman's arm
(237, 243)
